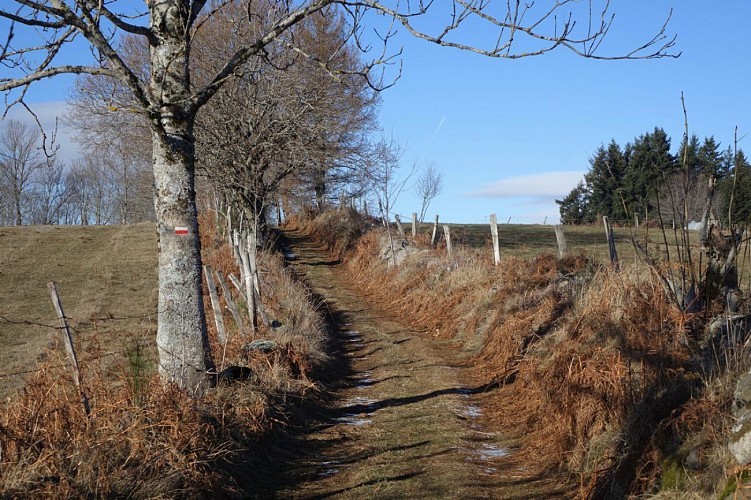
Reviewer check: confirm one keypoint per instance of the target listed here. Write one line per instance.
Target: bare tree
(169, 101)
(386, 183)
(285, 117)
(50, 193)
(20, 159)
(429, 185)
(101, 112)
(91, 192)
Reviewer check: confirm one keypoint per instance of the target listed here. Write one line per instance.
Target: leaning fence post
(218, 319)
(561, 239)
(435, 230)
(611, 242)
(69, 349)
(230, 302)
(250, 295)
(238, 286)
(414, 224)
(399, 226)
(494, 234)
(447, 233)
(236, 248)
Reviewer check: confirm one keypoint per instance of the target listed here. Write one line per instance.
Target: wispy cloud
(432, 139)
(545, 185)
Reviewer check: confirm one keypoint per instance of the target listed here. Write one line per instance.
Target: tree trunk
(17, 199)
(182, 339)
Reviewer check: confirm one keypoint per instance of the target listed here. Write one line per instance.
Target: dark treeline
(644, 180)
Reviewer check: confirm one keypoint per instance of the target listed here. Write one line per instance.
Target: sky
(511, 136)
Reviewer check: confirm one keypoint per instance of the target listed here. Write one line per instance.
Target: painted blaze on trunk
(182, 339)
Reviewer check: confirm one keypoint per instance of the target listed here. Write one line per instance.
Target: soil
(404, 416)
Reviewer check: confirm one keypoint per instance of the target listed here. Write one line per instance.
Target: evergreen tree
(688, 156)
(649, 163)
(736, 189)
(710, 159)
(573, 207)
(604, 182)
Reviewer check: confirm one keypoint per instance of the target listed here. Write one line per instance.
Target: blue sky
(517, 134)
(510, 136)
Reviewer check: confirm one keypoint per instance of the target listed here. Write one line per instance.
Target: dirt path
(401, 423)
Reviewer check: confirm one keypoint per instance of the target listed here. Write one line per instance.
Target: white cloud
(545, 185)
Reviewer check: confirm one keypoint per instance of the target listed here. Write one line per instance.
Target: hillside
(106, 276)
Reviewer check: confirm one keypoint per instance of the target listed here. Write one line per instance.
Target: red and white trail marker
(180, 230)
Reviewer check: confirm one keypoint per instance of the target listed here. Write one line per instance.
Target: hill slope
(106, 276)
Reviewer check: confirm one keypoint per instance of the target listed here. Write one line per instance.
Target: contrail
(432, 139)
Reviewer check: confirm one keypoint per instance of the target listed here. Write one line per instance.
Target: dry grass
(145, 440)
(600, 376)
(106, 276)
(140, 443)
(339, 229)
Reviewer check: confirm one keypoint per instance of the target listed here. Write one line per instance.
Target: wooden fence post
(229, 230)
(496, 244)
(435, 230)
(414, 224)
(238, 286)
(236, 248)
(561, 239)
(447, 233)
(216, 308)
(69, 348)
(250, 296)
(611, 242)
(230, 302)
(399, 227)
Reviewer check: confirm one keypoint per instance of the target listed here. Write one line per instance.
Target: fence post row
(496, 244)
(69, 348)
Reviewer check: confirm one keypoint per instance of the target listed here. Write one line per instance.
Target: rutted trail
(402, 423)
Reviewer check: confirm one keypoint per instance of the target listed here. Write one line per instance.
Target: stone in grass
(261, 345)
(740, 440)
(742, 395)
(740, 436)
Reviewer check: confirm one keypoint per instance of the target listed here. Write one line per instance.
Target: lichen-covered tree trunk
(182, 340)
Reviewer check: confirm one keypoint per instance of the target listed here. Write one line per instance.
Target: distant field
(529, 240)
(106, 277)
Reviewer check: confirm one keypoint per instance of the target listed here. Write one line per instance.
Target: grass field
(529, 240)
(106, 277)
